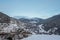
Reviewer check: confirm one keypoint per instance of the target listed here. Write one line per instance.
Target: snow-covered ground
(43, 37)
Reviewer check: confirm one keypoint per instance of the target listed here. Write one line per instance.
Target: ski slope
(43, 37)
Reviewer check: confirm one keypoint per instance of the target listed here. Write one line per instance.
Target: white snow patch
(11, 27)
(41, 29)
(43, 37)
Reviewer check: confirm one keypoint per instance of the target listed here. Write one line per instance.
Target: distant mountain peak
(18, 17)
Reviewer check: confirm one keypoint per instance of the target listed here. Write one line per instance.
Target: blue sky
(30, 8)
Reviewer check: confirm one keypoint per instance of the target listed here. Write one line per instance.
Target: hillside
(25, 27)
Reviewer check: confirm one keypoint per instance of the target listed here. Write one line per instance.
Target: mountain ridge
(29, 26)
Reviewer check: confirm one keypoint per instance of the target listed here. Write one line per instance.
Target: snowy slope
(11, 27)
(43, 37)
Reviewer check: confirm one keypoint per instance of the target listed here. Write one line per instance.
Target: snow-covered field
(43, 37)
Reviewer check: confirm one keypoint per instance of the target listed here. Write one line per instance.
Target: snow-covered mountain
(53, 24)
(24, 27)
(11, 27)
(50, 25)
